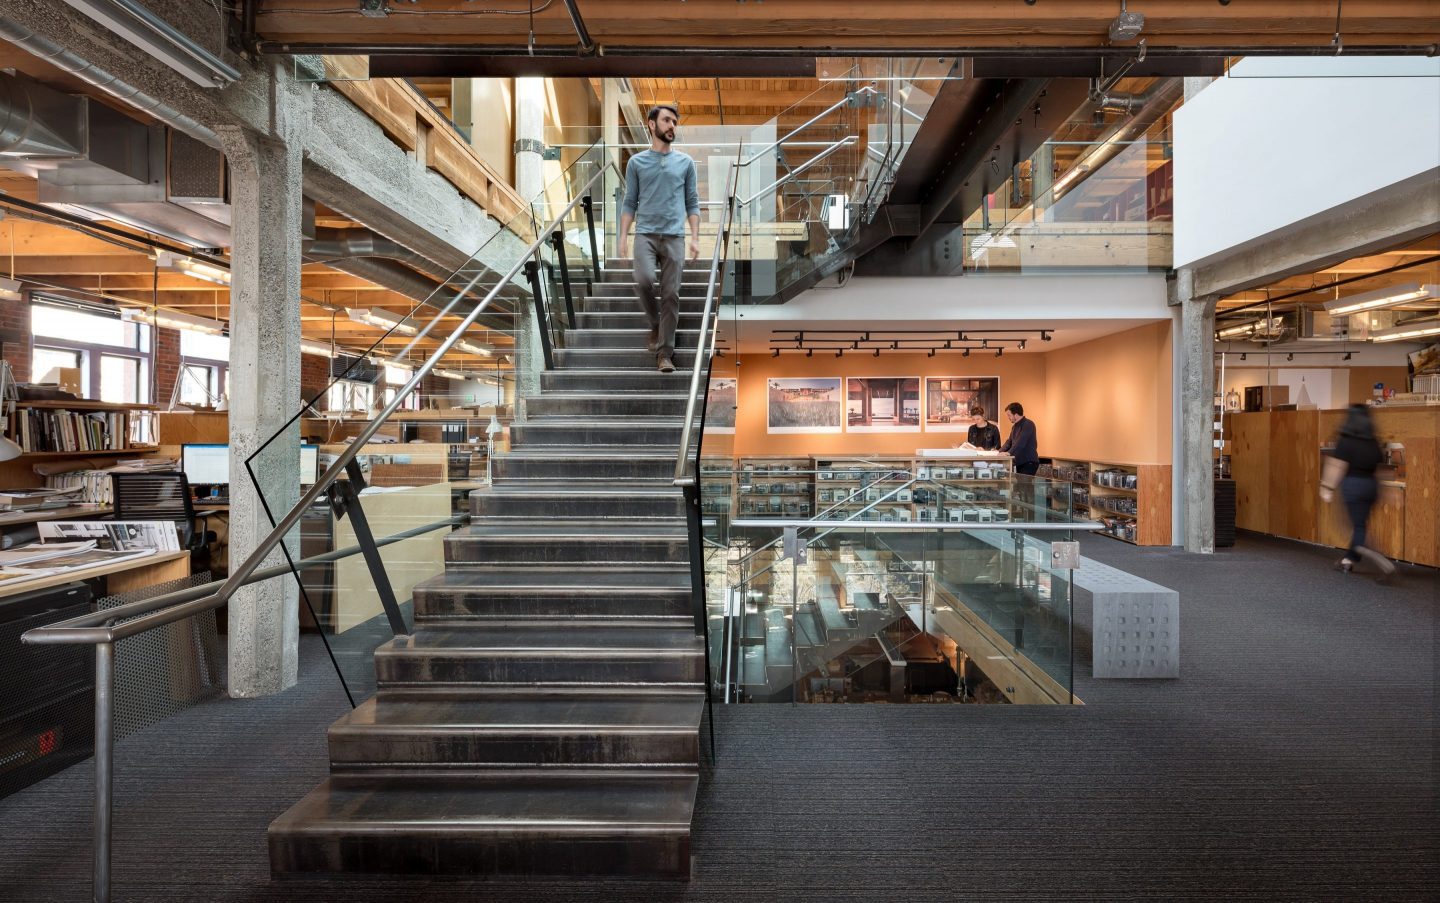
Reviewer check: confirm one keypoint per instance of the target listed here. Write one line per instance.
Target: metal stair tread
(400, 710)
(583, 452)
(482, 576)
(501, 802)
(576, 528)
(508, 490)
(585, 636)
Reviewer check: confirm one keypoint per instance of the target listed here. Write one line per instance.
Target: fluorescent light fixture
(320, 349)
(194, 268)
(1415, 329)
(1391, 296)
(9, 289)
(471, 348)
(1253, 329)
(160, 40)
(451, 374)
(380, 319)
(172, 319)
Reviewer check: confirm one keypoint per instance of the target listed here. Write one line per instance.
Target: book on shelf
(93, 487)
(44, 430)
(33, 499)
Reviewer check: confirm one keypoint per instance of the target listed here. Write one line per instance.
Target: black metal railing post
(694, 523)
(532, 273)
(347, 502)
(557, 241)
(593, 273)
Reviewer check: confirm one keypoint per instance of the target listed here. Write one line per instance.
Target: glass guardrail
(419, 465)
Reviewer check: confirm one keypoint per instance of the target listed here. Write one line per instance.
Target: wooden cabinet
(1131, 500)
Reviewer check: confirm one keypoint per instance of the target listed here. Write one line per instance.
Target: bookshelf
(779, 487)
(77, 428)
(1131, 500)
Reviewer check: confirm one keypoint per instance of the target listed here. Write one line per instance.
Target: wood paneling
(1152, 526)
(1275, 460)
(1249, 439)
(198, 426)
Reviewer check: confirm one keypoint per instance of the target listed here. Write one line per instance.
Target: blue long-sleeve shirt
(660, 192)
(1021, 445)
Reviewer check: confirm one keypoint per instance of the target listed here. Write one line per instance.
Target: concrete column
(529, 183)
(264, 379)
(1197, 417)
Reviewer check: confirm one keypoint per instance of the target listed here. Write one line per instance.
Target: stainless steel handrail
(800, 128)
(847, 141)
(902, 526)
(239, 576)
(182, 604)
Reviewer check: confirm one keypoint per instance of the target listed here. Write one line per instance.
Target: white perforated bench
(1136, 629)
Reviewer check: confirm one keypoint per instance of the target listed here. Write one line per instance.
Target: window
(43, 360)
(204, 368)
(123, 379)
(112, 355)
(345, 395)
(199, 385)
(395, 380)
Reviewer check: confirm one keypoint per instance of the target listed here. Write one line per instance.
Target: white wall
(1281, 140)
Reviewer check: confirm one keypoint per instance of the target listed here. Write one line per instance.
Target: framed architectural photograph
(882, 404)
(720, 405)
(948, 400)
(804, 405)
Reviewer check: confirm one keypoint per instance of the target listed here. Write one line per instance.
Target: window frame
(90, 353)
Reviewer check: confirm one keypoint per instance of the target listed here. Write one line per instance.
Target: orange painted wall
(1110, 399)
(1022, 379)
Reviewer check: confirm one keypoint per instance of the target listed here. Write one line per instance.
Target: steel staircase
(544, 717)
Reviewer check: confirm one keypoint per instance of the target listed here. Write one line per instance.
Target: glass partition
(921, 582)
(410, 480)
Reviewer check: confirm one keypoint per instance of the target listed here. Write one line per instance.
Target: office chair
(163, 496)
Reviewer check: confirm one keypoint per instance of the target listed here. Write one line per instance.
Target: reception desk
(1275, 460)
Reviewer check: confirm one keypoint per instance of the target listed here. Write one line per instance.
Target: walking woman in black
(1352, 466)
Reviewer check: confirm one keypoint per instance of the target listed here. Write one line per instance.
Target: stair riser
(630, 305)
(358, 748)
(605, 406)
(567, 550)
(482, 605)
(640, 667)
(694, 287)
(632, 320)
(589, 469)
(539, 433)
(647, 380)
(484, 504)
(600, 338)
(616, 359)
(493, 854)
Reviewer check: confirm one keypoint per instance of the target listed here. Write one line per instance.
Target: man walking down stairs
(544, 717)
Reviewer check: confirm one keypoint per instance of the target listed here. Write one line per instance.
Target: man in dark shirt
(1022, 444)
(983, 434)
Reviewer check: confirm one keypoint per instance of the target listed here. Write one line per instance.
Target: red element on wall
(47, 742)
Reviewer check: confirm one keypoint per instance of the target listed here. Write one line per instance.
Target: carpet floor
(1295, 759)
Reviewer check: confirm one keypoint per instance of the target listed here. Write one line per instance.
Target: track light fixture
(931, 353)
(877, 352)
(1022, 344)
(1348, 355)
(1290, 357)
(999, 351)
(775, 353)
(966, 353)
(809, 352)
(1044, 336)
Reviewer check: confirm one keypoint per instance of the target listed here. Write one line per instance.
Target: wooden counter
(1275, 461)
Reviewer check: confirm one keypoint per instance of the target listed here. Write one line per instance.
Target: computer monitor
(209, 465)
(309, 464)
(206, 465)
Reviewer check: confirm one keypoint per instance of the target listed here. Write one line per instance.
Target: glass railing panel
(415, 466)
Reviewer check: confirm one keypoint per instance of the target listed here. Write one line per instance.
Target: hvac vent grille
(196, 171)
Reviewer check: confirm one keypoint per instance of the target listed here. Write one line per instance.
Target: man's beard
(662, 136)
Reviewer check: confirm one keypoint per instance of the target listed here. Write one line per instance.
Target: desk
(120, 576)
(35, 516)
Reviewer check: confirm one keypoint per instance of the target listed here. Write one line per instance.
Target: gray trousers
(658, 262)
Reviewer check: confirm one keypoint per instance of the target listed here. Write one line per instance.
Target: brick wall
(314, 377)
(167, 363)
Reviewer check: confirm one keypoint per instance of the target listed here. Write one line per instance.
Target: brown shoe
(665, 365)
(653, 342)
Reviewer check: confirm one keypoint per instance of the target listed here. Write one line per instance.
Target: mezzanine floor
(1295, 759)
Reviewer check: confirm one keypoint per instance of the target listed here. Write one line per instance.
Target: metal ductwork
(86, 71)
(1113, 102)
(343, 244)
(98, 163)
(1148, 108)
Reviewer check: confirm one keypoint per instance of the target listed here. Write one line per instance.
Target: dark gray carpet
(1296, 759)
